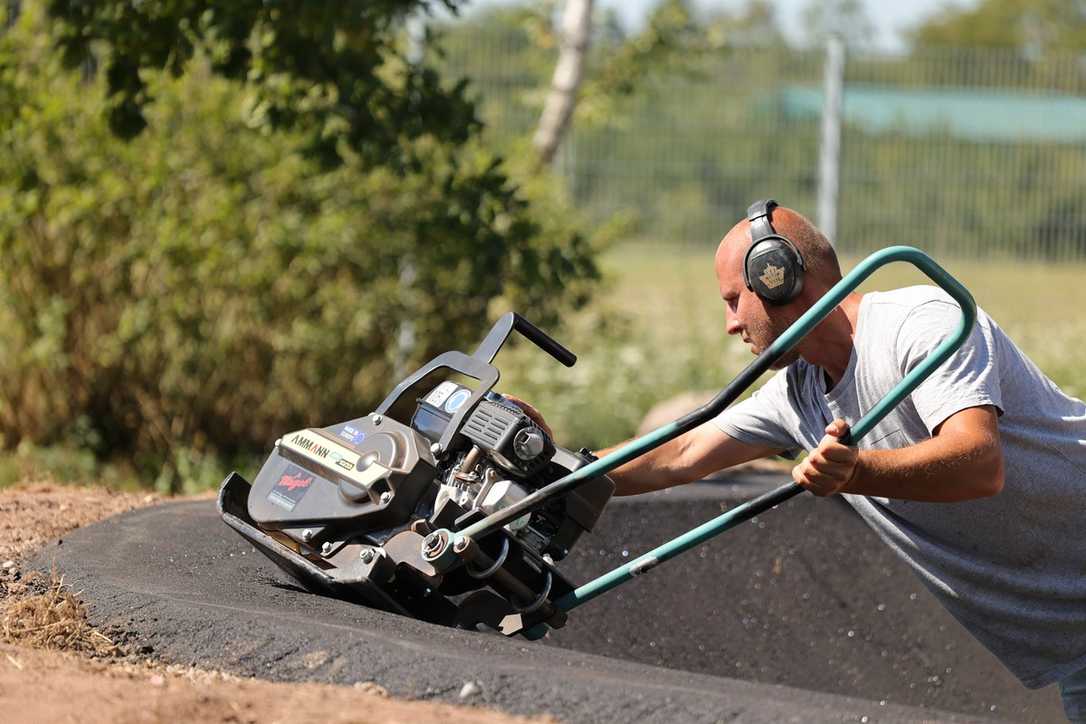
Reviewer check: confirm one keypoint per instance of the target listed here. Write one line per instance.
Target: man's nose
(732, 325)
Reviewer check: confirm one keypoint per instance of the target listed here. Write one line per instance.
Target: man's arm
(689, 457)
(962, 461)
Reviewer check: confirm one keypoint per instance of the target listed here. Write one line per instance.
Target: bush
(199, 290)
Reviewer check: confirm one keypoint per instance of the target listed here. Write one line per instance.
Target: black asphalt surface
(706, 637)
(805, 595)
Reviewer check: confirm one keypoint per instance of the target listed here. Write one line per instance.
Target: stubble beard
(764, 334)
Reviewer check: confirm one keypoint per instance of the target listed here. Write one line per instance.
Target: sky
(889, 17)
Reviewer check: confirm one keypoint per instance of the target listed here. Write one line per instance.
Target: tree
(756, 24)
(231, 268)
(1035, 28)
(576, 30)
(672, 42)
(335, 71)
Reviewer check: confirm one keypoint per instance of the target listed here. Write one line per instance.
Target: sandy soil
(32, 515)
(54, 667)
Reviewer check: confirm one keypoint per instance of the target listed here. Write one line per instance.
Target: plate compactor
(449, 504)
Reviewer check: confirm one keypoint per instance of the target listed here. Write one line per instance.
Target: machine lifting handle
(510, 321)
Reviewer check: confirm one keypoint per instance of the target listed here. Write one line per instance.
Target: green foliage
(332, 71)
(670, 44)
(187, 296)
(693, 142)
(667, 132)
(1033, 27)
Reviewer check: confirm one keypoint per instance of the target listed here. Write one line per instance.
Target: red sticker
(291, 487)
(291, 482)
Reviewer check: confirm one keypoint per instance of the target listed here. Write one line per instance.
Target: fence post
(829, 156)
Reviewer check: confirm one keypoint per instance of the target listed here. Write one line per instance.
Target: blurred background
(219, 224)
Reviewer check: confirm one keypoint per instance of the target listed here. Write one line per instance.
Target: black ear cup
(773, 267)
(774, 270)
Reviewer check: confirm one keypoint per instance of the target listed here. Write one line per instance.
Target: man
(977, 479)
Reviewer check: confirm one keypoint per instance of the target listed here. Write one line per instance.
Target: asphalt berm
(800, 615)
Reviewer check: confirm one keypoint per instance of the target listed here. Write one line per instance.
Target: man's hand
(830, 467)
(532, 413)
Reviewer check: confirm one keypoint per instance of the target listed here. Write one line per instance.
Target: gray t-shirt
(1011, 568)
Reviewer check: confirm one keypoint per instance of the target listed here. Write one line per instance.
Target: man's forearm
(691, 456)
(936, 470)
(654, 470)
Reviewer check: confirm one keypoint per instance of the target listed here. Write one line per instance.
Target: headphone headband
(758, 215)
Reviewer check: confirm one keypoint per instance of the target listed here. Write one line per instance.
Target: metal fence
(964, 152)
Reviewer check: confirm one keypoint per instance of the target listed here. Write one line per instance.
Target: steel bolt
(326, 548)
(376, 419)
(435, 449)
(307, 535)
(386, 498)
(366, 555)
(461, 545)
(433, 543)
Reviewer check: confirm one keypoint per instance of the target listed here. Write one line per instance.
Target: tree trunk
(575, 32)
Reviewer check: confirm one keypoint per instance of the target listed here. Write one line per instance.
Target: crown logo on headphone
(772, 276)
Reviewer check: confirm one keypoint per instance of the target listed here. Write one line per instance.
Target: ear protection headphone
(773, 267)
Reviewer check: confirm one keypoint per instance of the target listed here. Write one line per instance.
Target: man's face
(757, 323)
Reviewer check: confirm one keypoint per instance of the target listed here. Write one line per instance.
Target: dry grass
(38, 610)
(53, 618)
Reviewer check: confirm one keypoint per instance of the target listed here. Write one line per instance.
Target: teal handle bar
(789, 339)
(782, 345)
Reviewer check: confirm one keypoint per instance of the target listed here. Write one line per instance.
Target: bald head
(818, 254)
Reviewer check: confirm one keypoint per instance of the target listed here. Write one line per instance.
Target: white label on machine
(439, 394)
(333, 457)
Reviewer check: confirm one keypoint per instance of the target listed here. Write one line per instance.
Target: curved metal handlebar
(789, 339)
(783, 344)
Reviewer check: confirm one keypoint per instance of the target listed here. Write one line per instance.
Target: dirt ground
(54, 667)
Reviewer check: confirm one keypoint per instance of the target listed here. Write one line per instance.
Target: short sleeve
(969, 378)
(764, 418)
